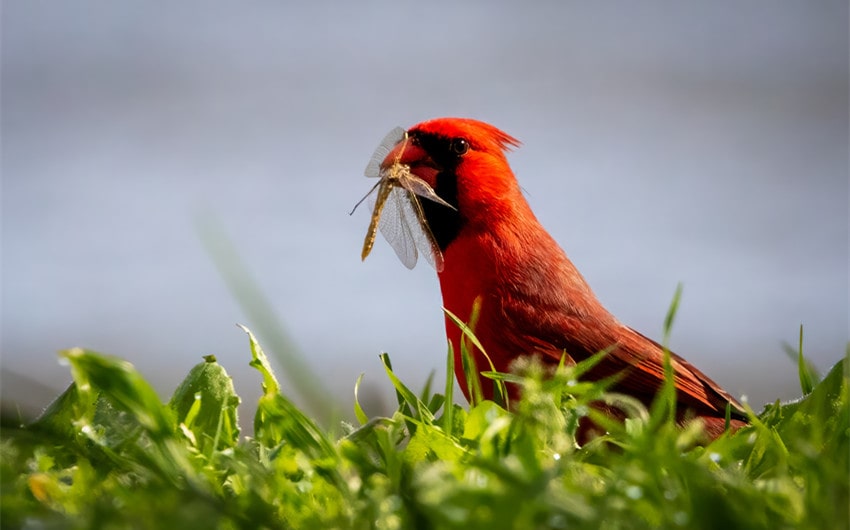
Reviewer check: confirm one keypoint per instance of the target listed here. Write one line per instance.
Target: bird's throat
(444, 222)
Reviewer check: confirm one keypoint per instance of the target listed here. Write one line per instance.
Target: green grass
(109, 454)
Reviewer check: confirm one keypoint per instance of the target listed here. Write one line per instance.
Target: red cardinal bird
(533, 299)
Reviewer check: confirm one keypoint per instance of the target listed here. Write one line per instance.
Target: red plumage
(533, 299)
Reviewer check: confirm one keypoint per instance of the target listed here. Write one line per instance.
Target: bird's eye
(459, 146)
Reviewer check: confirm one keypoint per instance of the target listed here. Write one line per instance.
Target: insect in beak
(397, 210)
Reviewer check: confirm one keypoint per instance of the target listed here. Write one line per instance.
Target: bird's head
(463, 160)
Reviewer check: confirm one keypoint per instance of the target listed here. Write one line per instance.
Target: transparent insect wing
(418, 186)
(426, 241)
(373, 169)
(400, 227)
(410, 235)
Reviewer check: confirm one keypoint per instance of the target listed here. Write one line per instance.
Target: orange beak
(416, 158)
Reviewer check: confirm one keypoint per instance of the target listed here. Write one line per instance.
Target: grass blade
(468, 341)
(663, 408)
(261, 313)
(448, 404)
(807, 378)
(358, 409)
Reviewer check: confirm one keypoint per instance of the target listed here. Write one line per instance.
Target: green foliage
(806, 371)
(109, 454)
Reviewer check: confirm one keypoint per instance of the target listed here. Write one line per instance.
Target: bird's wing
(693, 387)
(639, 359)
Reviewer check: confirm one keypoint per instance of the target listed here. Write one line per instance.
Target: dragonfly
(396, 207)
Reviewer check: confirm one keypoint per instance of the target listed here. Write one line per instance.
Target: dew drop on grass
(714, 457)
(634, 492)
(557, 521)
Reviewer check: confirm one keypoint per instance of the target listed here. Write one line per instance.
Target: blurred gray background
(663, 143)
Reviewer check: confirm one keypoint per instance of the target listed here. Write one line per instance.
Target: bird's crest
(481, 136)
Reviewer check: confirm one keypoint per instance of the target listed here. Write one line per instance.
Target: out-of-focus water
(662, 144)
